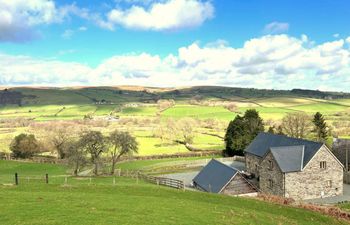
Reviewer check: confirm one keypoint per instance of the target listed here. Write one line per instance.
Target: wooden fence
(173, 183)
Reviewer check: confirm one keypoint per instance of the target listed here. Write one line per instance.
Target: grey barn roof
(264, 141)
(214, 176)
(289, 158)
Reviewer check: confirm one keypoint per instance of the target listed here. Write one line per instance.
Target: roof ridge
(292, 138)
(232, 168)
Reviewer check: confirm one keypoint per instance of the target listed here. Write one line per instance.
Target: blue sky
(115, 41)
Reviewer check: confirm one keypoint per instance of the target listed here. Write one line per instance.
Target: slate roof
(214, 176)
(264, 141)
(289, 158)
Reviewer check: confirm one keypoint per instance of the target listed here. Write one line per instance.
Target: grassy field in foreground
(129, 202)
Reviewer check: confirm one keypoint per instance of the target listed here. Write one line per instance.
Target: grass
(199, 112)
(9, 168)
(149, 164)
(129, 202)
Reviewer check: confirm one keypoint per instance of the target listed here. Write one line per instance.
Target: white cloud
(348, 40)
(336, 35)
(272, 61)
(82, 28)
(19, 18)
(68, 34)
(276, 28)
(164, 15)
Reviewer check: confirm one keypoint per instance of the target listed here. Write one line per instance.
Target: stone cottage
(294, 168)
(217, 177)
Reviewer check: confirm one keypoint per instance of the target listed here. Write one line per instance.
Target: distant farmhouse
(217, 177)
(294, 168)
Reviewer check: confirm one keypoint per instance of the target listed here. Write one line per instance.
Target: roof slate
(289, 158)
(214, 176)
(264, 141)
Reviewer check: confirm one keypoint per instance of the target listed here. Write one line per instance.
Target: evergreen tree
(241, 131)
(320, 127)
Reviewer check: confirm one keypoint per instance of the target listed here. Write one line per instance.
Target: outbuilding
(217, 177)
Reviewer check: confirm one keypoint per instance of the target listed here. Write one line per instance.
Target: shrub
(24, 146)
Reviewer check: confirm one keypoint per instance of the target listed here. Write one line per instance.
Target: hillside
(128, 202)
(138, 110)
(124, 94)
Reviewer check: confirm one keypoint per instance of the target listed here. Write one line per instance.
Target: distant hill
(124, 94)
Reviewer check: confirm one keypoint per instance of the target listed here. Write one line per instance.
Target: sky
(270, 44)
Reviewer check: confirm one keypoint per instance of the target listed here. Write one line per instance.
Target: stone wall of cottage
(273, 174)
(252, 163)
(313, 181)
(238, 186)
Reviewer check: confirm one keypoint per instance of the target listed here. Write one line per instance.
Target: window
(323, 165)
(329, 183)
(270, 183)
(270, 164)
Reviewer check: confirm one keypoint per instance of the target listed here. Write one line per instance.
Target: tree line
(88, 147)
(243, 129)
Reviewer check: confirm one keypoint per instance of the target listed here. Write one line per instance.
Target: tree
(241, 131)
(122, 144)
(24, 146)
(271, 130)
(165, 104)
(296, 124)
(76, 156)
(231, 107)
(59, 137)
(320, 127)
(93, 143)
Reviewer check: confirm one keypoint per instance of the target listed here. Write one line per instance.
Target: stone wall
(238, 186)
(274, 174)
(312, 181)
(252, 164)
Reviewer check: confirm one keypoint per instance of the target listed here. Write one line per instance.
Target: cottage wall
(313, 181)
(237, 186)
(271, 178)
(252, 164)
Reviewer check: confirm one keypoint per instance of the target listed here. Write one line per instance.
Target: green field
(138, 112)
(129, 202)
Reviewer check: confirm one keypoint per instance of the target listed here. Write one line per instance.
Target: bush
(24, 146)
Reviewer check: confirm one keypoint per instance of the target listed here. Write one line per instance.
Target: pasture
(129, 202)
(137, 111)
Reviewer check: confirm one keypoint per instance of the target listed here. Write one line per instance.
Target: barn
(220, 178)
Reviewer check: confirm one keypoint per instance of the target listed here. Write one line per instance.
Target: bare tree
(76, 156)
(122, 144)
(296, 125)
(94, 143)
(178, 131)
(164, 104)
(231, 107)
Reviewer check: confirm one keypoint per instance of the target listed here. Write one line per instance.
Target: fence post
(16, 178)
(47, 178)
(113, 181)
(65, 180)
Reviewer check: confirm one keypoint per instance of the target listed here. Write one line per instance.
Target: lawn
(129, 202)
